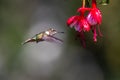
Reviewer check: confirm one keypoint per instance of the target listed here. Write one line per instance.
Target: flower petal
(94, 17)
(72, 21)
(77, 27)
(86, 26)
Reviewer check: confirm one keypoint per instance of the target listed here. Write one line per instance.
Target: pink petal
(77, 27)
(86, 26)
(71, 20)
(94, 17)
(91, 19)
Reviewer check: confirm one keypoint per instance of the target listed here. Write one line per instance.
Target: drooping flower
(94, 18)
(83, 23)
(79, 22)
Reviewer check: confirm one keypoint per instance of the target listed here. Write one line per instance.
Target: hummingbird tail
(28, 40)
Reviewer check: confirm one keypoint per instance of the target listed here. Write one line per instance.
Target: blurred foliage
(105, 2)
(14, 21)
(102, 2)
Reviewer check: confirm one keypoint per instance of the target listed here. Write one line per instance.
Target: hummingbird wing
(50, 38)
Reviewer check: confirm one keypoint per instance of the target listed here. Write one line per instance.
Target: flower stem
(93, 3)
(83, 3)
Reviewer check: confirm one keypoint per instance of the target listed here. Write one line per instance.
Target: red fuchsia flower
(79, 22)
(94, 18)
(83, 23)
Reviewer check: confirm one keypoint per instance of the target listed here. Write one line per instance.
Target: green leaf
(104, 2)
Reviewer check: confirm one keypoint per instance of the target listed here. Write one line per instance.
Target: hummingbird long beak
(60, 32)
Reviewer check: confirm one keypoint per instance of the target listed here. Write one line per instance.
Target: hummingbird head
(52, 31)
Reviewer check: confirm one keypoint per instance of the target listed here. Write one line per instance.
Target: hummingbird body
(47, 35)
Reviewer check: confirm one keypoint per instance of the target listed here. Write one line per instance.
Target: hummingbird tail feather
(28, 40)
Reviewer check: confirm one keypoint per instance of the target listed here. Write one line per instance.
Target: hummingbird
(47, 35)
